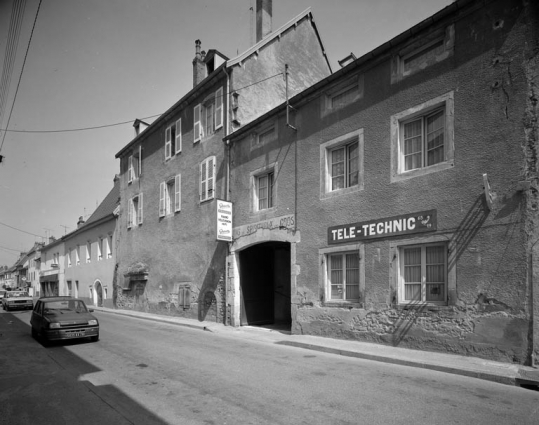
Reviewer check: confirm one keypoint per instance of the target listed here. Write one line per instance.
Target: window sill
(342, 304)
(340, 192)
(423, 306)
(422, 171)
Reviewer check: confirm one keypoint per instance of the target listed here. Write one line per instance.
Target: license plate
(75, 334)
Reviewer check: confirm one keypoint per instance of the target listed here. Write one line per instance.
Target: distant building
(90, 253)
(51, 273)
(396, 202)
(174, 171)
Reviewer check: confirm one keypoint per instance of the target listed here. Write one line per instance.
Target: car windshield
(17, 294)
(63, 306)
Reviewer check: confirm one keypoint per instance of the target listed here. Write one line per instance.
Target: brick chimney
(199, 67)
(80, 222)
(263, 18)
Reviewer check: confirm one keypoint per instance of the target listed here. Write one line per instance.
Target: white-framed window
(100, 242)
(422, 273)
(109, 246)
(423, 52)
(207, 179)
(343, 276)
(170, 196)
(134, 166)
(264, 191)
(208, 116)
(173, 139)
(343, 271)
(69, 253)
(197, 125)
(77, 255)
(135, 211)
(56, 259)
(341, 165)
(423, 138)
(88, 252)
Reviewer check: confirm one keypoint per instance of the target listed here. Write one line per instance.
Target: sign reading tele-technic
(419, 222)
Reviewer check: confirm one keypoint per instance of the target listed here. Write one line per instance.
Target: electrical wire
(118, 123)
(19, 230)
(20, 75)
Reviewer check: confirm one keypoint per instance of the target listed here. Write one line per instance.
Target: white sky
(101, 62)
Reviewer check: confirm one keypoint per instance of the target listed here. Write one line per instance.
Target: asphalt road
(143, 372)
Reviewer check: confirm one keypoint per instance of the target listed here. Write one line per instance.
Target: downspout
(227, 189)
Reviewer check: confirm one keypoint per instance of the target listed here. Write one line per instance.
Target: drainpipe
(227, 187)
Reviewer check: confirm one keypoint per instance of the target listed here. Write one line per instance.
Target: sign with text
(224, 221)
(419, 222)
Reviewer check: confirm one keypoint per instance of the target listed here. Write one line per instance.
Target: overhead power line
(23, 231)
(20, 76)
(118, 123)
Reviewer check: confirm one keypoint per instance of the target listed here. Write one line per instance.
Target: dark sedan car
(61, 318)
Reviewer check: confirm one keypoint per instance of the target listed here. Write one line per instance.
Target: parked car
(61, 318)
(13, 300)
(2, 294)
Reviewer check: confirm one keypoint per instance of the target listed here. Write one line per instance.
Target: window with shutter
(197, 126)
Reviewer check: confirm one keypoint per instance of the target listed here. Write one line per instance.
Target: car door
(37, 315)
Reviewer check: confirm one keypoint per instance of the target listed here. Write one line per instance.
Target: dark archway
(265, 284)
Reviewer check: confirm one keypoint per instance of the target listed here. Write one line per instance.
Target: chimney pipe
(199, 67)
(263, 18)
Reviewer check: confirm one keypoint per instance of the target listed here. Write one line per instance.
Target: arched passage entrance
(265, 284)
(98, 294)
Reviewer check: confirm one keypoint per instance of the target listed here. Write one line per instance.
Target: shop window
(343, 270)
(170, 196)
(422, 274)
(135, 211)
(207, 179)
(423, 138)
(342, 165)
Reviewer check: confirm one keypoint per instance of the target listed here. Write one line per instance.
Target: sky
(104, 63)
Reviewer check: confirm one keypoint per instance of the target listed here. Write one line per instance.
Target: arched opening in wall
(98, 294)
(265, 285)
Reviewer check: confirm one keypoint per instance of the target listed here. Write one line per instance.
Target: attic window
(210, 66)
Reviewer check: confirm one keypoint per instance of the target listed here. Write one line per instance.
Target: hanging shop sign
(224, 221)
(419, 222)
(283, 223)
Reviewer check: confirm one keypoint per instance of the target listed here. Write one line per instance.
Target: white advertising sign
(224, 221)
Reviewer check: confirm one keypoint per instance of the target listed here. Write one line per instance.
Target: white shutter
(197, 127)
(178, 136)
(162, 191)
(129, 213)
(140, 160)
(177, 193)
(211, 178)
(140, 209)
(219, 108)
(168, 147)
(203, 181)
(130, 169)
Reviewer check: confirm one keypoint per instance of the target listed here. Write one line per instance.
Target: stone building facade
(397, 201)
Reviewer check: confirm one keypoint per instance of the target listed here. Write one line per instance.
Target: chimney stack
(80, 222)
(263, 18)
(199, 67)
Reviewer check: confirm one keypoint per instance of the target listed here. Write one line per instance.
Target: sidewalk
(503, 373)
